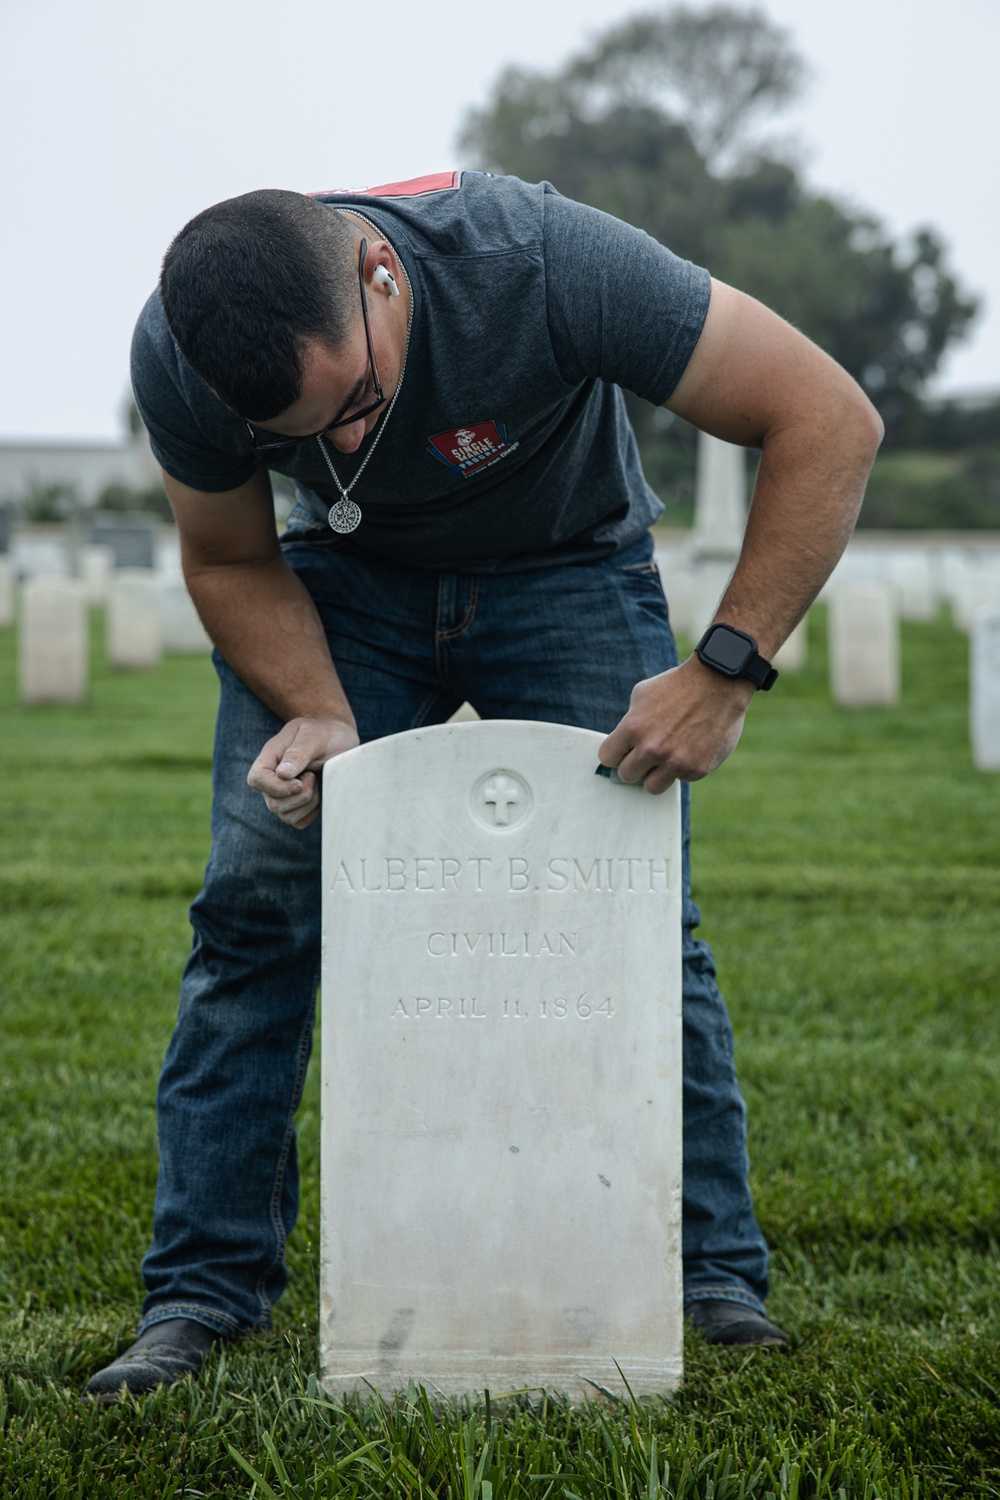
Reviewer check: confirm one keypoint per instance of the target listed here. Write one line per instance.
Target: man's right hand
(261, 617)
(287, 769)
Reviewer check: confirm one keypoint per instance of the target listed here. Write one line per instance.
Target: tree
(656, 124)
(718, 70)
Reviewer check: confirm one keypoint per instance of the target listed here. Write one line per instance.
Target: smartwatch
(734, 653)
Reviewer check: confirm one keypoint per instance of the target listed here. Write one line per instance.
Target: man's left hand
(680, 726)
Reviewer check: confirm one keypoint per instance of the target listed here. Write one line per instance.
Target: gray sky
(119, 120)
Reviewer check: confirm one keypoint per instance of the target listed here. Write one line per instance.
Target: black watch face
(728, 649)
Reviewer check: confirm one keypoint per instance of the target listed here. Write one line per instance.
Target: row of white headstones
(871, 589)
(874, 586)
(147, 613)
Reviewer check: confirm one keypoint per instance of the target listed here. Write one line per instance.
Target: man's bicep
(752, 373)
(234, 526)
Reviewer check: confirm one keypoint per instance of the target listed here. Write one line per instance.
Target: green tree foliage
(657, 124)
(929, 489)
(951, 424)
(44, 503)
(719, 71)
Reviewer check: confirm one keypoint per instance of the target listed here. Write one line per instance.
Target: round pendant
(344, 516)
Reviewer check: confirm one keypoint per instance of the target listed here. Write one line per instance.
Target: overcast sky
(119, 120)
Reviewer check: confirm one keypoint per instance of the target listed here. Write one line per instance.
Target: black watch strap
(734, 653)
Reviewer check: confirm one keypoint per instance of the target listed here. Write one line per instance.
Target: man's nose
(347, 439)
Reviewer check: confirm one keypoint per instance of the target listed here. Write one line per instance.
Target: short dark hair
(247, 282)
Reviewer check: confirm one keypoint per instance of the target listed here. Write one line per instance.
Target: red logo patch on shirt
(469, 449)
(415, 187)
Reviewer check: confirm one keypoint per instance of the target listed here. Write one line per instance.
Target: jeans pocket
(642, 587)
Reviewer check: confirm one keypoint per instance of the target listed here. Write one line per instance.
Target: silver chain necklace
(345, 514)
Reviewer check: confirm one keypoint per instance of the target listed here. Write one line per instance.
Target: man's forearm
(265, 623)
(819, 435)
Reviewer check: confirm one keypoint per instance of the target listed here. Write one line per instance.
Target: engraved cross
(502, 794)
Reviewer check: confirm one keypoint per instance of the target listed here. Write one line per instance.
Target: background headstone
(969, 574)
(53, 641)
(180, 626)
(6, 525)
(97, 562)
(912, 574)
(40, 556)
(985, 688)
(133, 621)
(791, 655)
(501, 1067)
(978, 588)
(464, 714)
(677, 574)
(864, 645)
(720, 514)
(6, 592)
(132, 538)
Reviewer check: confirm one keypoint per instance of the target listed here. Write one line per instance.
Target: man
(438, 365)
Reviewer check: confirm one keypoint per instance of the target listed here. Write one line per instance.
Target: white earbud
(382, 277)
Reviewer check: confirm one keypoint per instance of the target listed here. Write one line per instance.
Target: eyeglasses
(366, 411)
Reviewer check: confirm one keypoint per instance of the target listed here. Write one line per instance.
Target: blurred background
(834, 161)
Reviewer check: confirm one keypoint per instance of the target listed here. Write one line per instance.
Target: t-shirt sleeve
(191, 433)
(621, 307)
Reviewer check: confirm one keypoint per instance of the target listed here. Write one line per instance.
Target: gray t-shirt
(509, 446)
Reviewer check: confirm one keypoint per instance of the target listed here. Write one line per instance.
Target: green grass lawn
(849, 868)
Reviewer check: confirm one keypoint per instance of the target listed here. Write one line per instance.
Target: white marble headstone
(6, 591)
(864, 645)
(501, 1158)
(97, 564)
(52, 641)
(709, 581)
(720, 513)
(180, 626)
(912, 573)
(981, 588)
(720, 505)
(792, 654)
(985, 688)
(678, 577)
(133, 621)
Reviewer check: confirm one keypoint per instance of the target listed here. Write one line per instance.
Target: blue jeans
(564, 644)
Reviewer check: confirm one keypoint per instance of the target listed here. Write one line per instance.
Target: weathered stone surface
(501, 1067)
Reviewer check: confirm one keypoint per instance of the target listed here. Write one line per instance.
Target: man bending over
(438, 366)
